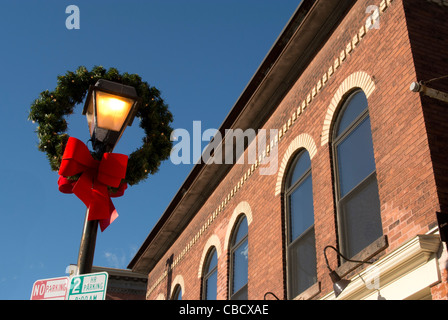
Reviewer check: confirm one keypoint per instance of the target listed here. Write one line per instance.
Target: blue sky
(199, 53)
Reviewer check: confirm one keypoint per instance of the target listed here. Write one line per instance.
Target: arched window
(358, 205)
(300, 238)
(239, 252)
(177, 293)
(210, 279)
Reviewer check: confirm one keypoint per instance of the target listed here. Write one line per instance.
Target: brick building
(361, 167)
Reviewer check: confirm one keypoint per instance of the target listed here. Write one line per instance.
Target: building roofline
(310, 26)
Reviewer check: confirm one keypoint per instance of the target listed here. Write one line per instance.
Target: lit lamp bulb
(112, 110)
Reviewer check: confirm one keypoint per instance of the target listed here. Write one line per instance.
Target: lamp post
(110, 107)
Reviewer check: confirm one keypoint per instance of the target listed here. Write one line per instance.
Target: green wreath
(51, 109)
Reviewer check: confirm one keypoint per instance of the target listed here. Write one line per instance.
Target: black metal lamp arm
(340, 254)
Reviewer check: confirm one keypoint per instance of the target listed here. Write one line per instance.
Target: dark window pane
(211, 286)
(302, 255)
(240, 266)
(213, 261)
(355, 157)
(239, 259)
(242, 231)
(361, 217)
(301, 243)
(301, 208)
(302, 165)
(241, 294)
(356, 105)
(177, 295)
(358, 206)
(210, 277)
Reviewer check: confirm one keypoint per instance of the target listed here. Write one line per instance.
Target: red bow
(92, 186)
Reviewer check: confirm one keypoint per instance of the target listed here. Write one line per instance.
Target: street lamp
(110, 107)
(339, 284)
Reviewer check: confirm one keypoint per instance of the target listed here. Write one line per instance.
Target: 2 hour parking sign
(92, 286)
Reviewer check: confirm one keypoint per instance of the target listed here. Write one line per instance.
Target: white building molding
(410, 269)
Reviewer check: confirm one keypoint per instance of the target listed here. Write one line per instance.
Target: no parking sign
(50, 289)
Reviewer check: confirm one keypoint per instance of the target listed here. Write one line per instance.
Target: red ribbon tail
(83, 188)
(100, 204)
(104, 223)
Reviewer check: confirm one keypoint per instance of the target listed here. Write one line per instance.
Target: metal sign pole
(87, 246)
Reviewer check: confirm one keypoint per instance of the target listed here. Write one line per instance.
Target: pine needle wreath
(51, 109)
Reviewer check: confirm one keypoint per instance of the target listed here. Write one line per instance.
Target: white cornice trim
(400, 274)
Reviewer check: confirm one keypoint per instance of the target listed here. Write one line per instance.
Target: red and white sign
(50, 289)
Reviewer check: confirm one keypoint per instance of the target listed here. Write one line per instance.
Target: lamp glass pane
(90, 117)
(112, 110)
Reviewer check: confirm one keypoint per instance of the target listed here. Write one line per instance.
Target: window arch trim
(302, 141)
(213, 241)
(178, 281)
(358, 79)
(242, 207)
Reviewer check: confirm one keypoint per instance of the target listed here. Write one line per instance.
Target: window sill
(309, 293)
(366, 254)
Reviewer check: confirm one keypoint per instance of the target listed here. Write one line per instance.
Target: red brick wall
(409, 193)
(429, 40)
